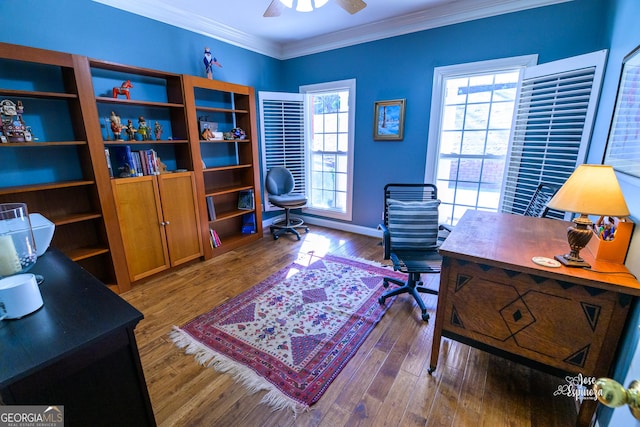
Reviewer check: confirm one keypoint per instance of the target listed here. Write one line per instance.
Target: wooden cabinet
(225, 167)
(159, 221)
(79, 350)
(57, 173)
(157, 214)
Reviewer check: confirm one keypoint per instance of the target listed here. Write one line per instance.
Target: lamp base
(568, 262)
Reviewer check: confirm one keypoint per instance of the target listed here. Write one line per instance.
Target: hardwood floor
(386, 382)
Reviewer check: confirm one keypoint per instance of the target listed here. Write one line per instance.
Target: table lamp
(590, 190)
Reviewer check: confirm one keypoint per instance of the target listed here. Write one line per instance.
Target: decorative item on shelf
(116, 126)
(249, 223)
(131, 130)
(144, 132)
(157, 130)
(207, 129)
(238, 133)
(13, 126)
(246, 200)
(123, 89)
(228, 135)
(590, 190)
(209, 62)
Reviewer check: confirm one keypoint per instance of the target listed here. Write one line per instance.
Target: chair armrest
(386, 240)
(446, 227)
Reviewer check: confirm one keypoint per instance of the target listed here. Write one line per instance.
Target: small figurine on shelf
(123, 89)
(238, 133)
(207, 134)
(209, 62)
(143, 129)
(131, 130)
(116, 126)
(157, 129)
(13, 126)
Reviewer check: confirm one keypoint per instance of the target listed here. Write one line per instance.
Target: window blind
(282, 132)
(552, 126)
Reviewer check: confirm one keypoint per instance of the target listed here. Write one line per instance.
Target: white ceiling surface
(294, 34)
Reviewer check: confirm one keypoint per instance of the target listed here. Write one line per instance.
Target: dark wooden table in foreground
(78, 350)
(564, 321)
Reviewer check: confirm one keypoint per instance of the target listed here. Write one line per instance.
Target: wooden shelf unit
(230, 165)
(59, 106)
(63, 172)
(157, 235)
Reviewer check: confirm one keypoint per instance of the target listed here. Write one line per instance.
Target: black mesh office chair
(538, 205)
(410, 237)
(279, 185)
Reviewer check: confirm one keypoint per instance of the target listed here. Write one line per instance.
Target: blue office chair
(280, 185)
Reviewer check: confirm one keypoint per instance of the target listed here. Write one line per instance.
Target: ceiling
(294, 34)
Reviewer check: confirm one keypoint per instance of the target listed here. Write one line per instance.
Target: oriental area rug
(291, 334)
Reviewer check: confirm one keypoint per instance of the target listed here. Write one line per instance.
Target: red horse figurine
(123, 89)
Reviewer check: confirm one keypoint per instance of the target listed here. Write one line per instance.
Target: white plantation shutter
(282, 132)
(552, 126)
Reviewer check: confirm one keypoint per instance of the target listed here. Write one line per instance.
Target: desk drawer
(558, 324)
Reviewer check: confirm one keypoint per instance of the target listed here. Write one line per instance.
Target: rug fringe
(240, 373)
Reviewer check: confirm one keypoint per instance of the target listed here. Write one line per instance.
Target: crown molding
(439, 16)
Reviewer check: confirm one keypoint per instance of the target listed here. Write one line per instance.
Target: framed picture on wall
(623, 144)
(388, 122)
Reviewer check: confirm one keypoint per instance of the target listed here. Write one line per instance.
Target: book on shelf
(122, 161)
(246, 200)
(108, 156)
(211, 208)
(249, 223)
(126, 163)
(214, 239)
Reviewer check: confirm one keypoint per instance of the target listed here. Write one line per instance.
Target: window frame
(307, 91)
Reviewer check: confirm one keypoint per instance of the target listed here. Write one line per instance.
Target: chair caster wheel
(381, 300)
(425, 317)
(275, 237)
(385, 283)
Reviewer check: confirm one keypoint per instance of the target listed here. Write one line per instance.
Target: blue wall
(97, 31)
(402, 67)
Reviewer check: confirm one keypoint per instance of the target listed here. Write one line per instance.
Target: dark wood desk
(565, 321)
(78, 350)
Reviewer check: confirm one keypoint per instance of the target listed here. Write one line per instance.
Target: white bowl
(42, 232)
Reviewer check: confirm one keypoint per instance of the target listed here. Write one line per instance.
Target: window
(481, 158)
(330, 119)
(472, 110)
(313, 132)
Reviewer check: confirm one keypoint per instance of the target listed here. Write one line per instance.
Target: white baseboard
(337, 225)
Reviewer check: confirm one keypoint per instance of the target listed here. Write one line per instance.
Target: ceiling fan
(276, 6)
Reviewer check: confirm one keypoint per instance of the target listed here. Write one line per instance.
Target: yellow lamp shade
(591, 190)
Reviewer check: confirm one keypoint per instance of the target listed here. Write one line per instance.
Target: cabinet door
(177, 192)
(141, 225)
